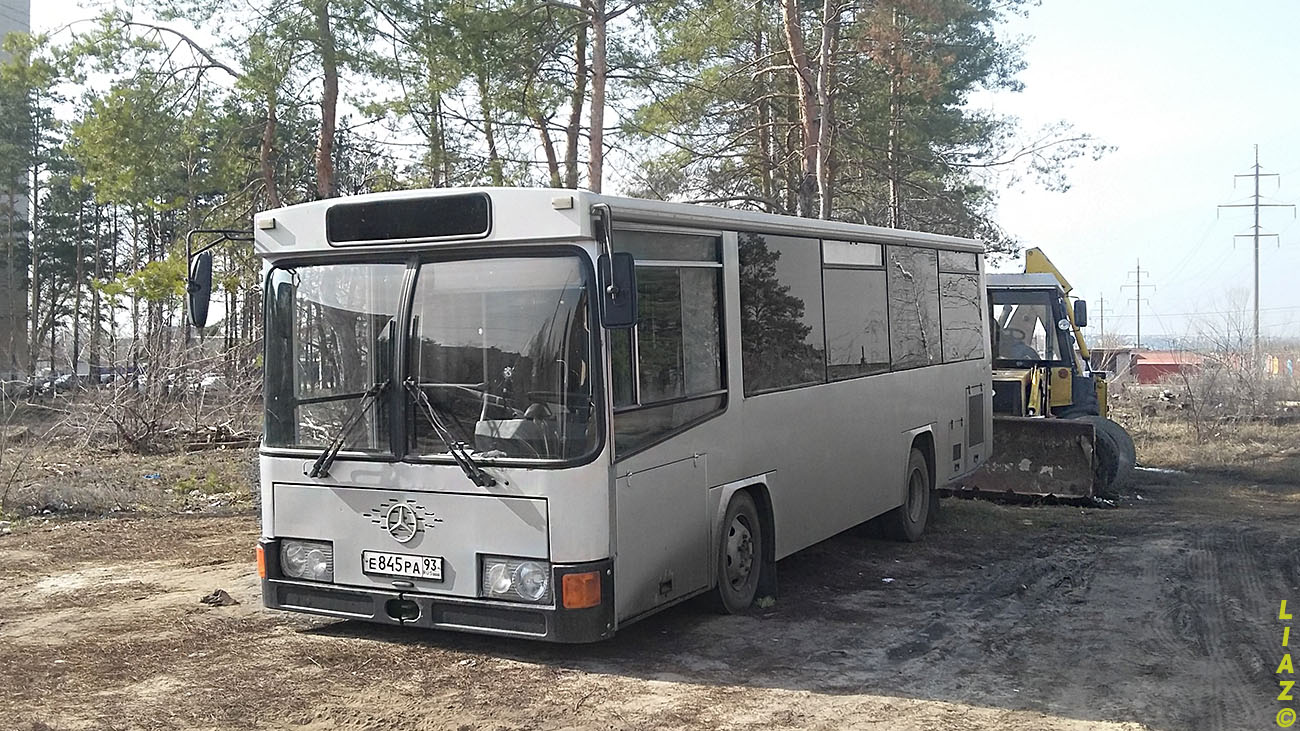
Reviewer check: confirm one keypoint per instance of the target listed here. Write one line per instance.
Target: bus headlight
(313, 560)
(516, 579)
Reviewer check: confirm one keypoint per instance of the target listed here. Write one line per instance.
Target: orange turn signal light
(581, 590)
(261, 562)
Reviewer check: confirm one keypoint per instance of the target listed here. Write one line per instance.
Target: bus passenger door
(662, 535)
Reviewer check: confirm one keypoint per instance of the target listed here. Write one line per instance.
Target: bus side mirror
(1080, 314)
(617, 281)
(199, 288)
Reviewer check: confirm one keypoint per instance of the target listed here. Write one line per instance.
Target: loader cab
(1034, 363)
(1031, 328)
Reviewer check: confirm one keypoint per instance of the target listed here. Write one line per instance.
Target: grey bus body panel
(280, 233)
(534, 499)
(455, 527)
(663, 534)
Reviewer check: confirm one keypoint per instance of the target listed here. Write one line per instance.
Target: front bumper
(483, 616)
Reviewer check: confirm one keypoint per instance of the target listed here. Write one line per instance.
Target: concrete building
(15, 17)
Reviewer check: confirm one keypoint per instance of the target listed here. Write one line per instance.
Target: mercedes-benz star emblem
(401, 523)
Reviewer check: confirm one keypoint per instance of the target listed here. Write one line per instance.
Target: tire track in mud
(1257, 561)
(988, 630)
(1165, 613)
(1204, 617)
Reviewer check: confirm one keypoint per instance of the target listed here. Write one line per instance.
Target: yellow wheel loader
(1051, 434)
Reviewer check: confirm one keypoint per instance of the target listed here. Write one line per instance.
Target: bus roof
(554, 214)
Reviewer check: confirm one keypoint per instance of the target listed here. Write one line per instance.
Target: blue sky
(1183, 90)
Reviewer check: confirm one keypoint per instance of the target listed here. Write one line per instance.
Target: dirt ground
(1158, 614)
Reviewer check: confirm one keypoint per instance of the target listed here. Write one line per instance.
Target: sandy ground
(1160, 614)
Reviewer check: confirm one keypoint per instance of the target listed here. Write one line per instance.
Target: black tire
(907, 521)
(740, 555)
(1124, 440)
(1106, 464)
(1126, 451)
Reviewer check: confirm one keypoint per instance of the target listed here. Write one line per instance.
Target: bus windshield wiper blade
(321, 468)
(454, 447)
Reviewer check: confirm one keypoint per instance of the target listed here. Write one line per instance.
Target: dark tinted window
(781, 312)
(667, 372)
(963, 332)
(620, 346)
(678, 334)
(667, 246)
(409, 218)
(857, 323)
(913, 276)
(958, 261)
(638, 427)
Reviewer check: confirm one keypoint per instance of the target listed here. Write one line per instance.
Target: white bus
(547, 413)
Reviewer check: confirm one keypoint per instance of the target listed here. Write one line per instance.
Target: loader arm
(1036, 262)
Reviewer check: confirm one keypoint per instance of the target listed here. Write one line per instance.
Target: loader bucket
(1036, 456)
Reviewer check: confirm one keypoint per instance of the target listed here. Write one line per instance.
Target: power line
(1290, 308)
(1256, 233)
(1138, 274)
(1191, 252)
(1101, 312)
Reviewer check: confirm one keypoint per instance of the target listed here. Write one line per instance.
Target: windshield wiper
(321, 468)
(455, 448)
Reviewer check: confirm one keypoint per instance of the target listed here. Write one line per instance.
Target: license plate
(399, 564)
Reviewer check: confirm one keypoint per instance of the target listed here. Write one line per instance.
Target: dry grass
(1259, 451)
(57, 479)
(119, 448)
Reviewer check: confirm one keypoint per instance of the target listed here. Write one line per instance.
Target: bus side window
(857, 328)
(781, 320)
(667, 371)
(963, 331)
(913, 280)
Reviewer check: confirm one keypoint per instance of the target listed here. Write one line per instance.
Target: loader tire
(1106, 464)
(1125, 441)
(1126, 451)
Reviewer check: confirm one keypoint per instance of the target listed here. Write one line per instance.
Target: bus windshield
(500, 358)
(329, 340)
(502, 349)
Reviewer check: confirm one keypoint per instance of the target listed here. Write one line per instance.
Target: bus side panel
(832, 464)
(663, 534)
(838, 451)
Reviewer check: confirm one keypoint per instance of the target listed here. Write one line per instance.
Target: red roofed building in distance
(1157, 366)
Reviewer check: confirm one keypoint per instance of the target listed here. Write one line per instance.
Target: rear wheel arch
(924, 443)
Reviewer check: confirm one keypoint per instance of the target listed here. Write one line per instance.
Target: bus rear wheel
(907, 521)
(740, 555)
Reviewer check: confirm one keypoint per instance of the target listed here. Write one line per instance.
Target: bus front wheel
(740, 555)
(907, 521)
